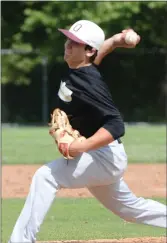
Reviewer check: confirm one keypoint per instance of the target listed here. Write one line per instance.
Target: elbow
(119, 131)
(116, 127)
(122, 130)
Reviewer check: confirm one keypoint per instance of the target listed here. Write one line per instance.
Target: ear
(90, 53)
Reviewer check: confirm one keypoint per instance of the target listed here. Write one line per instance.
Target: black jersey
(86, 99)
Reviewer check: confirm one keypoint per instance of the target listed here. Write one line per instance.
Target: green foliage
(36, 23)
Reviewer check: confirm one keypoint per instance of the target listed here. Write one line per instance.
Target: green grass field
(33, 145)
(77, 219)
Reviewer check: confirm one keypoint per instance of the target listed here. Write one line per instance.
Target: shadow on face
(77, 53)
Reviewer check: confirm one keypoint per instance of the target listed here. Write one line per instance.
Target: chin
(66, 57)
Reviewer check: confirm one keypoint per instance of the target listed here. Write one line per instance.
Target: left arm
(117, 40)
(101, 138)
(110, 131)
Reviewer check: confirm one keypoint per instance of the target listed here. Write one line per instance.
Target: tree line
(137, 78)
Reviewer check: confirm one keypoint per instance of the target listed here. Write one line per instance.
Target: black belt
(119, 140)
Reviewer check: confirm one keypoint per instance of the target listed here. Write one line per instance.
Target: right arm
(116, 41)
(108, 46)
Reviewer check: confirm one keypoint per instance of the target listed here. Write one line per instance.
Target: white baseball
(131, 38)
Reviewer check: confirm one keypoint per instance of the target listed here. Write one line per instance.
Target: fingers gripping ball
(62, 132)
(131, 37)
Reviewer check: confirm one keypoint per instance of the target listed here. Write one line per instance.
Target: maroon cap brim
(71, 36)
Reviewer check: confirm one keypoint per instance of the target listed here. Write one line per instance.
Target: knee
(123, 215)
(42, 173)
(44, 177)
(128, 213)
(127, 217)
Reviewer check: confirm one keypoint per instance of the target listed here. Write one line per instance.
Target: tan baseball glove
(62, 132)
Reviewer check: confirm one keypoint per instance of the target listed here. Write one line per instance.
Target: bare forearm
(101, 138)
(107, 47)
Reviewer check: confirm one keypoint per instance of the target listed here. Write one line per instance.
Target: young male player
(99, 161)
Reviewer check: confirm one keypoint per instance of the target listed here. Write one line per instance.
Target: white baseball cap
(85, 32)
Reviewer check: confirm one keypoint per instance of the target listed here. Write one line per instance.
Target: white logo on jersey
(64, 93)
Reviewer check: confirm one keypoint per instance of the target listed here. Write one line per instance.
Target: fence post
(44, 90)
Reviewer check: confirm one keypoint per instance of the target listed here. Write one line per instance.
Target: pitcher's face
(74, 52)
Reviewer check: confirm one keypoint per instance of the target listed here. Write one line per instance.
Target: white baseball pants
(101, 171)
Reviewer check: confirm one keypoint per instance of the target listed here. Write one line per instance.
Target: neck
(78, 65)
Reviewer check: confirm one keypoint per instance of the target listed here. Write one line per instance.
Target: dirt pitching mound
(143, 179)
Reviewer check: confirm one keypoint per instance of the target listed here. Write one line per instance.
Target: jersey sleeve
(115, 126)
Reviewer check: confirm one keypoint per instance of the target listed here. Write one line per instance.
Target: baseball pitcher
(87, 127)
